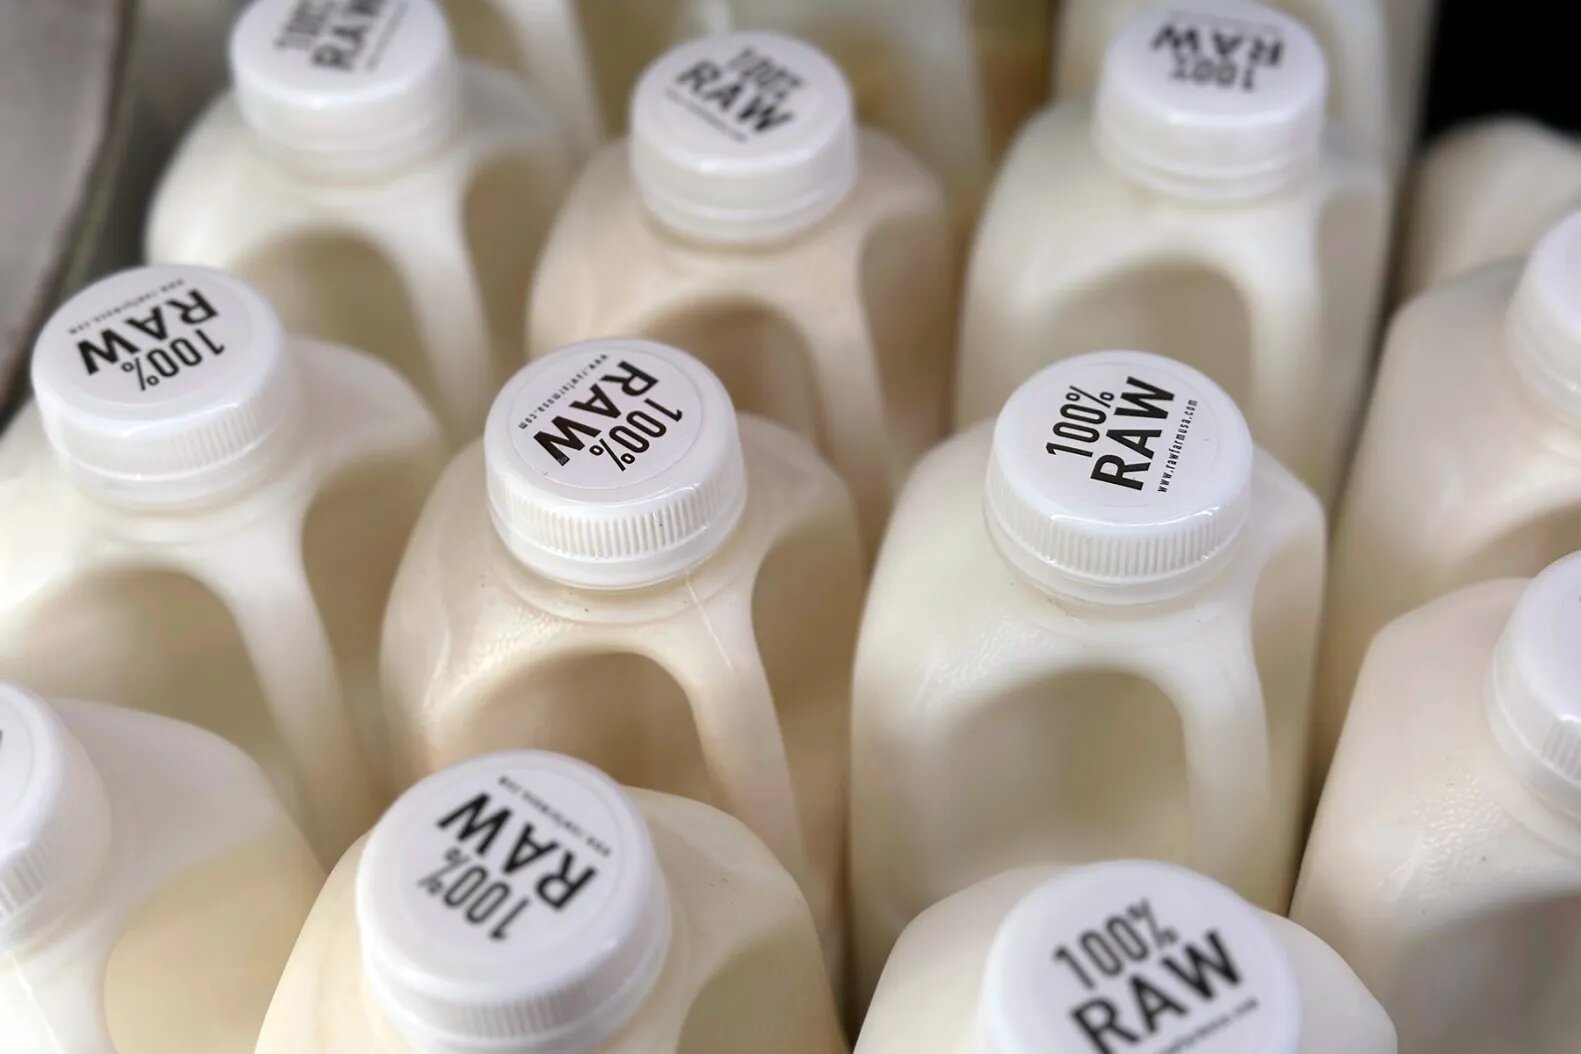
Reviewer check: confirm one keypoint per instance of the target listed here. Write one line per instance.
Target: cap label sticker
(743, 98)
(510, 862)
(1216, 51)
(350, 36)
(1130, 981)
(606, 419)
(163, 338)
(1129, 434)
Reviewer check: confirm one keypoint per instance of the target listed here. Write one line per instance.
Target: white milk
(151, 885)
(203, 518)
(1376, 48)
(748, 220)
(1469, 466)
(1089, 635)
(542, 42)
(1214, 222)
(619, 573)
(379, 192)
(1445, 864)
(1485, 192)
(1115, 958)
(524, 902)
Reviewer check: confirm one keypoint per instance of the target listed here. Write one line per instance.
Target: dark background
(1505, 56)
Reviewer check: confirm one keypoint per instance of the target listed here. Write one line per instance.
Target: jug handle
(1225, 725)
(853, 391)
(738, 725)
(259, 576)
(551, 43)
(431, 255)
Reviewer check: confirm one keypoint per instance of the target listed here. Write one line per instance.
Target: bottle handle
(1230, 783)
(431, 256)
(295, 663)
(739, 728)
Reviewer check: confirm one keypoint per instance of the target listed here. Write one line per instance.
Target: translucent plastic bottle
(1213, 220)
(748, 220)
(622, 573)
(1469, 466)
(524, 901)
(1445, 864)
(1090, 634)
(202, 518)
(1483, 193)
(1112, 958)
(379, 192)
(542, 42)
(1377, 49)
(151, 884)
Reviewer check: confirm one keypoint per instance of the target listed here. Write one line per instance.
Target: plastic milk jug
(1207, 218)
(1089, 634)
(381, 193)
(1376, 48)
(541, 41)
(203, 517)
(1114, 958)
(1469, 466)
(621, 572)
(1445, 864)
(1485, 192)
(525, 902)
(748, 220)
(151, 884)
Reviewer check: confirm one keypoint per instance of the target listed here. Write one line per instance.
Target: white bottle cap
(513, 902)
(1137, 956)
(165, 385)
(743, 137)
(614, 464)
(1213, 99)
(1544, 322)
(54, 818)
(1534, 685)
(1119, 477)
(346, 86)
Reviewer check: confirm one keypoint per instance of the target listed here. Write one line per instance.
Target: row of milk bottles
(384, 194)
(623, 571)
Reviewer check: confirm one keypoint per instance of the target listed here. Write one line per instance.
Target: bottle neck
(1199, 186)
(1544, 356)
(363, 159)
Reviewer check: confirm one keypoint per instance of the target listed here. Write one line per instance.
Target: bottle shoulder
(608, 257)
(456, 549)
(223, 193)
(942, 590)
(1418, 787)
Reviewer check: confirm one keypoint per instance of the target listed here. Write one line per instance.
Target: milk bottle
(1469, 466)
(748, 220)
(1089, 635)
(202, 519)
(1377, 49)
(540, 41)
(379, 192)
(1484, 192)
(1445, 864)
(1113, 958)
(524, 901)
(1210, 220)
(151, 884)
(952, 79)
(622, 573)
